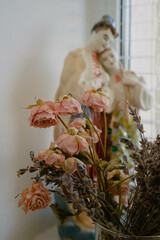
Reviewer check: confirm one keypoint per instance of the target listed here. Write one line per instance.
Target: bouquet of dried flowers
(122, 200)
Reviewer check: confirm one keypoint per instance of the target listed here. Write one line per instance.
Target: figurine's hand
(87, 84)
(95, 82)
(130, 79)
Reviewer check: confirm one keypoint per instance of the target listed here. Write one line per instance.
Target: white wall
(35, 37)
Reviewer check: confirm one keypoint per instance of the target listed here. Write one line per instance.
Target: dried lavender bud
(21, 171)
(42, 163)
(68, 198)
(88, 190)
(140, 127)
(79, 205)
(66, 179)
(31, 155)
(91, 212)
(67, 182)
(101, 194)
(136, 118)
(136, 156)
(82, 201)
(80, 187)
(75, 195)
(42, 172)
(32, 169)
(81, 169)
(101, 213)
(110, 225)
(94, 190)
(57, 180)
(87, 181)
(143, 141)
(133, 111)
(37, 178)
(158, 139)
(128, 143)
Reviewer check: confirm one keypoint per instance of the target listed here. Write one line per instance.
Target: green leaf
(83, 157)
(62, 215)
(115, 163)
(103, 164)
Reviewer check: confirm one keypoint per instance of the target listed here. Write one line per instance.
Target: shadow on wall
(34, 79)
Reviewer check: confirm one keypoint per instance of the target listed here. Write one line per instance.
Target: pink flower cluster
(35, 197)
(57, 158)
(71, 144)
(45, 114)
(96, 99)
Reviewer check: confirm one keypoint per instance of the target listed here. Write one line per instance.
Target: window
(139, 46)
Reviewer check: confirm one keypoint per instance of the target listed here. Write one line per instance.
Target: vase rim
(126, 235)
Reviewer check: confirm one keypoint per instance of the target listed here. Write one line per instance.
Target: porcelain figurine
(81, 66)
(138, 94)
(126, 86)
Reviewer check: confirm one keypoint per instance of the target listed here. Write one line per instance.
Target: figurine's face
(109, 60)
(102, 39)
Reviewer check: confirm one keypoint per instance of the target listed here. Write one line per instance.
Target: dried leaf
(83, 157)
(40, 102)
(31, 106)
(103, 164)
(52, 146)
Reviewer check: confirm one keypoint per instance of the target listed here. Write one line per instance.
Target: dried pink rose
(50, 156)
(69, 165)
(81, 125)
(43, 116)
(35, 197)
(99, 101)
(71, 144)
(68, 106)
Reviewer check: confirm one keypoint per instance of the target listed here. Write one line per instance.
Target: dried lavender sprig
(143, 209)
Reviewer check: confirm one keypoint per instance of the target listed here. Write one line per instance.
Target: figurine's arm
(140, 96)
(130, 78)
(74, 66)
(62, 89)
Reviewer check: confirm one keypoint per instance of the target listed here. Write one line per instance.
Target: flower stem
(100, 140)
(119, 183)
(100, 179)
(62, 122)
(105, 133)
(94, 130)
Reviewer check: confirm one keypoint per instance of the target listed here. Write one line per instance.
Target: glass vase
(106, 234)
